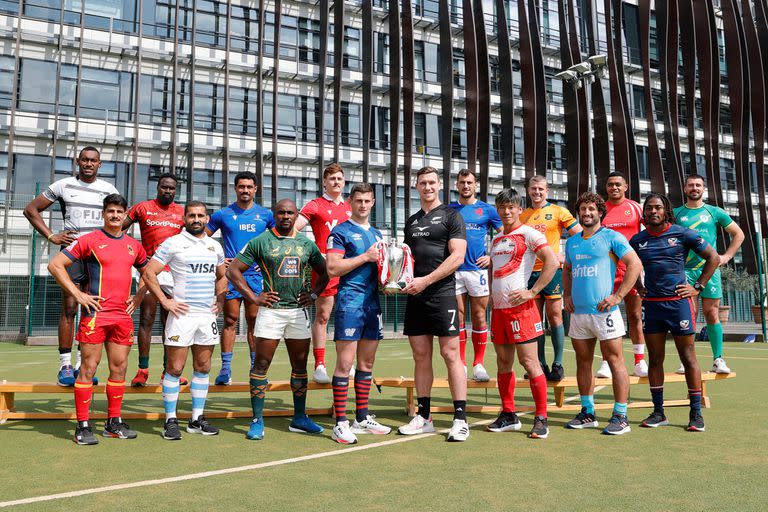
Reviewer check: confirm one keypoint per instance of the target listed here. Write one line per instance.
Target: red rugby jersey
(157, 223)
(108, 261)
(323, 215)
(626, 218)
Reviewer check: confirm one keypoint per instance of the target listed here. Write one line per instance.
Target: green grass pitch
(663, 469)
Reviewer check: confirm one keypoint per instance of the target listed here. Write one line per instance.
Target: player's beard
(195, 229)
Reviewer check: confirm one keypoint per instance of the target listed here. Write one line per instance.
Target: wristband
(50, 236)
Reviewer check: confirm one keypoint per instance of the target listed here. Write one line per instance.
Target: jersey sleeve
(694, 241)
(335, 242)
(535, 240)
(164, 253)
(407, 233)
(634, 241)
(309, 210)
(215, 222)
(54, 191)
(566, 219)
(723, 218)
(134, 213)
(493, 218)
(78, 250)
(250, 253)
(315, 256)
(568, 245)
(141, 256)
(619, 245)
(456, 228)
(270, 220)
(220, 259)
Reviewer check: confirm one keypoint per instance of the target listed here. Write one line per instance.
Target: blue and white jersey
(360, 286)
(663, 256)
(478, 217)
(238, 226)
(593, 267)
(193, 263)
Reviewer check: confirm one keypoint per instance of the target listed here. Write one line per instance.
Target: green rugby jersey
(704, 220)
(286, 264)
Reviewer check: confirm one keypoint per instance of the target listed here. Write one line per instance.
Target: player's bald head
(285, 204)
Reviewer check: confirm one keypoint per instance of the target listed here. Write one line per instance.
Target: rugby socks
(715, 335)
(143, 362)
(558, 342)
(340, 387)
(694, 395)
(506, 382)
(253, 359)
(170, 395)
(115, 392)
(588, 403)
(299, 383)
(258, 392)
(541, 344)
(657, 395)
(65, 357)
(319, 354)
(463, 343)
(199, 390)
(422, 406)
(460, 410)
(639, 351)
(539, 392)
(479, 341)
(620, 408)
(362, 392)
(226, 361)
(83, 396)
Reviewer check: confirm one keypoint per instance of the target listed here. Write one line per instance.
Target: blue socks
(199, 390)
(588, 403)
(253, 358)
(694, 395)
(620, 408)
(170, 395)
(226, 362)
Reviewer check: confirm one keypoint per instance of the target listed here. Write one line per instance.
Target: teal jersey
(704, 221)
(286, 264)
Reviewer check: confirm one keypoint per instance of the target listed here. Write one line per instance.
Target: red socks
(479, 340)
(539, 391)
(463, 344)
(83, 395)
(506, 383)
(319, 354)
(115, 391)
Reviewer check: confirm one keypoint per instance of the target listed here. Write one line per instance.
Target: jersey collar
(112, 236)
(669, 225)
(328, 198)
(361, 226)
(192, 237)
(278, 235)
(593, 234)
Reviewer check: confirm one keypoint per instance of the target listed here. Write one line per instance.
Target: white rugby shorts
(599, 326)
(276, 324)
(472, 282)
(191, 329)
(165, 278)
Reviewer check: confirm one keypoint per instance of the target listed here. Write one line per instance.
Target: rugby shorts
(255, 283)
(191, 329)
(433, 316)
(276, 324)
(333, 286)
(554, 289)
(356, 323)
(714, 287)
(472, 282)
(602, 326)
(676, 316)
(516, 325)
(97, 329)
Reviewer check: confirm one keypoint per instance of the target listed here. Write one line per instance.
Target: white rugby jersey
(193, 263)
(81, 203)
(513, 255)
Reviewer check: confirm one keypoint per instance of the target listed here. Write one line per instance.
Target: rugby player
(515, 319)
(196, 263)
(158, 219)
(239, 222)
(323, 214)
(285, 256)
(625, 216)
(352, 255)
(438, 243)
(591, 260)
(704, 219)
(107, 256)
(472, 276)
(668, 301)
(550, 220)
(80, 198)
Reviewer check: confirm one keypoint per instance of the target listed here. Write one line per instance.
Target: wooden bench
(8, 391)
(558, 389)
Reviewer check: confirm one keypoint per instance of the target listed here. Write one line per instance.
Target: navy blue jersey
(360, 286)
(663, 256)
(239, 226)
(478, 217)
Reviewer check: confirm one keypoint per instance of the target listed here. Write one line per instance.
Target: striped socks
(258, 392)
(362, 392)
(199, 390)
(170, 395)
(115, 392)
(340, 387)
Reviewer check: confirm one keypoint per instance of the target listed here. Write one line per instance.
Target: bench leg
(410, 406)
(704, 395)
(6, 405)
(559, 396)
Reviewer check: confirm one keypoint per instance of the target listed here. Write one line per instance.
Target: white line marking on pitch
(239, 469)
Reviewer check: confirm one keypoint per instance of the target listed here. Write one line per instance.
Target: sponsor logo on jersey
(248, 228)
(584, 271)
(642, 245)
(357, 237)
(289, 267)
(202, 268)
(164, 223)
(103, 246)
(583, 257)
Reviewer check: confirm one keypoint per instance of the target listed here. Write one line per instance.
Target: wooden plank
(236, 387)
(157, 415)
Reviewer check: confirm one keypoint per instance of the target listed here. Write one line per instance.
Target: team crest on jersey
(299, 250)
(349, 214)
(130, 250)
(704, 218)
(672, 241)
(479, 211)
(289, 267)
(684, 324)
(350, 331)
(210, 248)
(627, 212)
(548, 216)
(174, 339)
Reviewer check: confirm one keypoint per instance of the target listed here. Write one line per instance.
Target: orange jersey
(550, 220)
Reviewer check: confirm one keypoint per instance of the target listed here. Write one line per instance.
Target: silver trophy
(395, 255)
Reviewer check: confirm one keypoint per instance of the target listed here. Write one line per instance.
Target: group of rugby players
(265, 266)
